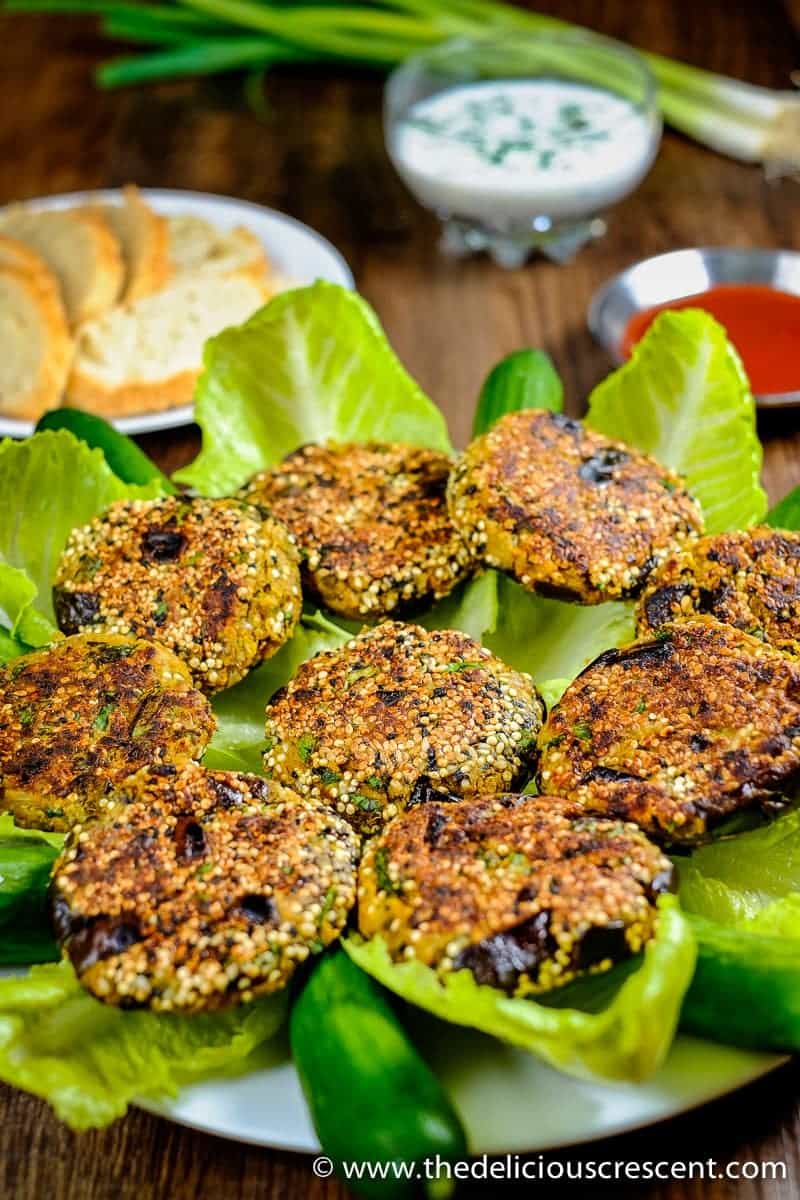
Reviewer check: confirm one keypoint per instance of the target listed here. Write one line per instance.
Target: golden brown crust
(398, 711)
(150, 268)
(678, 732)
(524, 891)
(130, 399)
(215, 580)
(199, 889)
(80, 716)
(749, 578)
(372, 524)
(41, 289)
(564, 510)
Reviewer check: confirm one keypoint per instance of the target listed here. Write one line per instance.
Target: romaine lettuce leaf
(550, 639)
(313, 364)
(23, 622)
(684, 398)
(786, 513)
(238, 742)
(628, 1039)
(89, 1060)
(49, 484)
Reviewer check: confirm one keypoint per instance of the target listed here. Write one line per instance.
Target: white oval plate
(298, 254)
(509, 1101)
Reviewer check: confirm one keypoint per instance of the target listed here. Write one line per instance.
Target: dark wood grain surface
(318, 155)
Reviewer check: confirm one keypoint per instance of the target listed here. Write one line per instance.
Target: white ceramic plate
(298, 254)
(509, 1101)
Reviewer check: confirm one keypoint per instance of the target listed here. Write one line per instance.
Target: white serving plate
(509, 1101)
(299, 255)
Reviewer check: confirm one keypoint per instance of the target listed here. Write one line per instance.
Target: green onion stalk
(202, 37)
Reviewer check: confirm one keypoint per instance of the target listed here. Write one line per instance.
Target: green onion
(201, 37)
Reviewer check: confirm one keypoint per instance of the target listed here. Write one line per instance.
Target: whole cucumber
(525, 379)
(372, 1097)
(127, 461)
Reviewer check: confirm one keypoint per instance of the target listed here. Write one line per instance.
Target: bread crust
(149, 268)
(101, 280)
(46, 391)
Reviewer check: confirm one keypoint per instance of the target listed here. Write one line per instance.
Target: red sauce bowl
(755, 294)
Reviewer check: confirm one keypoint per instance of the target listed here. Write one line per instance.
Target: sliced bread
(196, 244)
(35, 340)
(146, 356)
(79, 248)
(144, 238)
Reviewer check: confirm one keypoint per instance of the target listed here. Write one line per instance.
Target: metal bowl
(683, 273)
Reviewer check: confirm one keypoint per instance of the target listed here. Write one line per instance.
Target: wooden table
(319, 156)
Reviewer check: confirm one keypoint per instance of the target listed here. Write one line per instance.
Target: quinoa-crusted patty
(78, 717)
(373, 726)
(215, 580)
(372, 524)
(677, 732)
(749, 578)
(526, 892)
(565, 511)
(201, 888)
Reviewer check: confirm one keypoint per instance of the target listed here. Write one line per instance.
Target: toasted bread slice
(80, 250)
(37, 347)
(144, 238)
(146, 356)
(196, 244)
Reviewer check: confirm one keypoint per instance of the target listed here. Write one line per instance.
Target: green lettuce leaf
(684, 398)
(550, 639)
(49, 484)
(26, 626)
(786, 513)
(10, 648)
(89, 1060)
(313, 364)
(238, 742)
(628, 1039)
(472, 608)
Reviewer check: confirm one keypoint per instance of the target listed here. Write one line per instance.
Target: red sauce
(763, 324)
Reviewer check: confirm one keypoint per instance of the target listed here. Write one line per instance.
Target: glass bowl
(521, 142)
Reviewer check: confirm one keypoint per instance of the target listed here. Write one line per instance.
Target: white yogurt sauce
(507, 150)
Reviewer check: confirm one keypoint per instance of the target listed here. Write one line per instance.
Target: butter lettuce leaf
(627, 1039)
(312, 364)
(684, 398)
(49, 484)
(90, 1060)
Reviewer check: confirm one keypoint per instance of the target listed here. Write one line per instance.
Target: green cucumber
(372, 1097)
(525, 379)
(126, 460)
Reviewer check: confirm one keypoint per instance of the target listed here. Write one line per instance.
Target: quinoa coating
(83, 714)
(678, 732)
(217, 581)
(372, 727)
(565, 511)
(199, 889)
(526, 892)
(372, 524)
(749, 578)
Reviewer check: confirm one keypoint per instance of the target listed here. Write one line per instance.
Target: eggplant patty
(80, 716)
(678, 732)
(565, 511)
(198, 889)
(372, 524)
(525, 892)
(749, 578)
(215, 580)
(372, 727)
